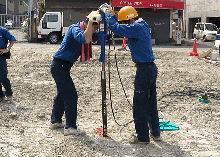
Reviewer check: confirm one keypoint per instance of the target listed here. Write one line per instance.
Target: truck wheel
(204, 39)
(53, 38)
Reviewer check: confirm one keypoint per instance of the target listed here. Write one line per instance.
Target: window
(198, 26)
(202, 27)
(20, 3)
(211, 27)
(51, 18)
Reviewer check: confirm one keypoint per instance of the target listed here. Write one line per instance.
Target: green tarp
(168, 125)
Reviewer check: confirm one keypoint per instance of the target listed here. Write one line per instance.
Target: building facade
(200, 11)
(74, 10)
(157, 13)
(14, 7)
(13, 12)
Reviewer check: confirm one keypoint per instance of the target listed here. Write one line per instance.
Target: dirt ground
(182, 79)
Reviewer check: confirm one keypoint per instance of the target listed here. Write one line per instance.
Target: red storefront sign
(175, 4)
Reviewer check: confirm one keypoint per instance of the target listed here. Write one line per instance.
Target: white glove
(105, 8)
(2, 51)
(96, 18)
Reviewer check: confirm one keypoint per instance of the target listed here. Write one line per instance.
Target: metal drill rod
(103, 36)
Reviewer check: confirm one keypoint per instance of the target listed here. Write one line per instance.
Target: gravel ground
(182, 79)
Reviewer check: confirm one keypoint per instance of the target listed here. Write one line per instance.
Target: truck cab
(51, 27)
(205, 31)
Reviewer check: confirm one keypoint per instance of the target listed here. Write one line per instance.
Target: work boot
(136, 140)
(155, 138)
(8, 98)
(56, 126)
(73, 131)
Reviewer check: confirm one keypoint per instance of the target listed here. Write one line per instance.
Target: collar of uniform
(139, 20)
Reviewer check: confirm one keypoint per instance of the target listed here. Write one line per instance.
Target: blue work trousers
(66, 99)
(145, 101)
(4, 81)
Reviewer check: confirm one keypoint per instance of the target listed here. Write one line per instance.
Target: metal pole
(30, 17)
(104, 107)
(103, 36)
(6, 7)
(32, 26)
(184, 18)
(4, 20)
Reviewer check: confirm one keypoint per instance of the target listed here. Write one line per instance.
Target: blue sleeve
(78, 34)
(9, 36)
(129, 31)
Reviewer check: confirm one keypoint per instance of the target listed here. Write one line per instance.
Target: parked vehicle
(54, 25)
(9, 24)
(205, 31)
(51, 27)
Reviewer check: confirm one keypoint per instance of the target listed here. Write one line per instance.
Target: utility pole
(6, 7)
(31, 16)
(179, 32)
(184, 18)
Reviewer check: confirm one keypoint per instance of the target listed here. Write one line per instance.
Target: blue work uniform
(144, 102)
(5, 36)
(68, 53)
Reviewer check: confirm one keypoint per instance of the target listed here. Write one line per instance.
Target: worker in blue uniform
(5, 36)
(137, 31)
(68, 53)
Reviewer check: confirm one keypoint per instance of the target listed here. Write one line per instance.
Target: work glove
(95, 18)
(105, 8)
(2, 51)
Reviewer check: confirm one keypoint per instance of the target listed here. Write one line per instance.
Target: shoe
(8, 98)
(155, 138)
(136, 140)
(73, 131)
(56, 126)
(2, 99)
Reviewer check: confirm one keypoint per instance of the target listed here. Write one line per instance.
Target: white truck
(205, 31)
(51, 27)
(54, 25)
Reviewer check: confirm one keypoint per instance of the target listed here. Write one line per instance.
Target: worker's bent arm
(11, 44)
(88, 32)
(129, 31)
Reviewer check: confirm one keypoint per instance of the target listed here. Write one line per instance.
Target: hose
(113, 113)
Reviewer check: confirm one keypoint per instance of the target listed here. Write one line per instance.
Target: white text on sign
(156, 5)
(130, 3)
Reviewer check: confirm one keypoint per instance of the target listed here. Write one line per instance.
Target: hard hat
(92, 13)
(127, 13)
(94, 16)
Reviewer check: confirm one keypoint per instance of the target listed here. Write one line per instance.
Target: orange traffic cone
(124, 43)
(194, 52)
